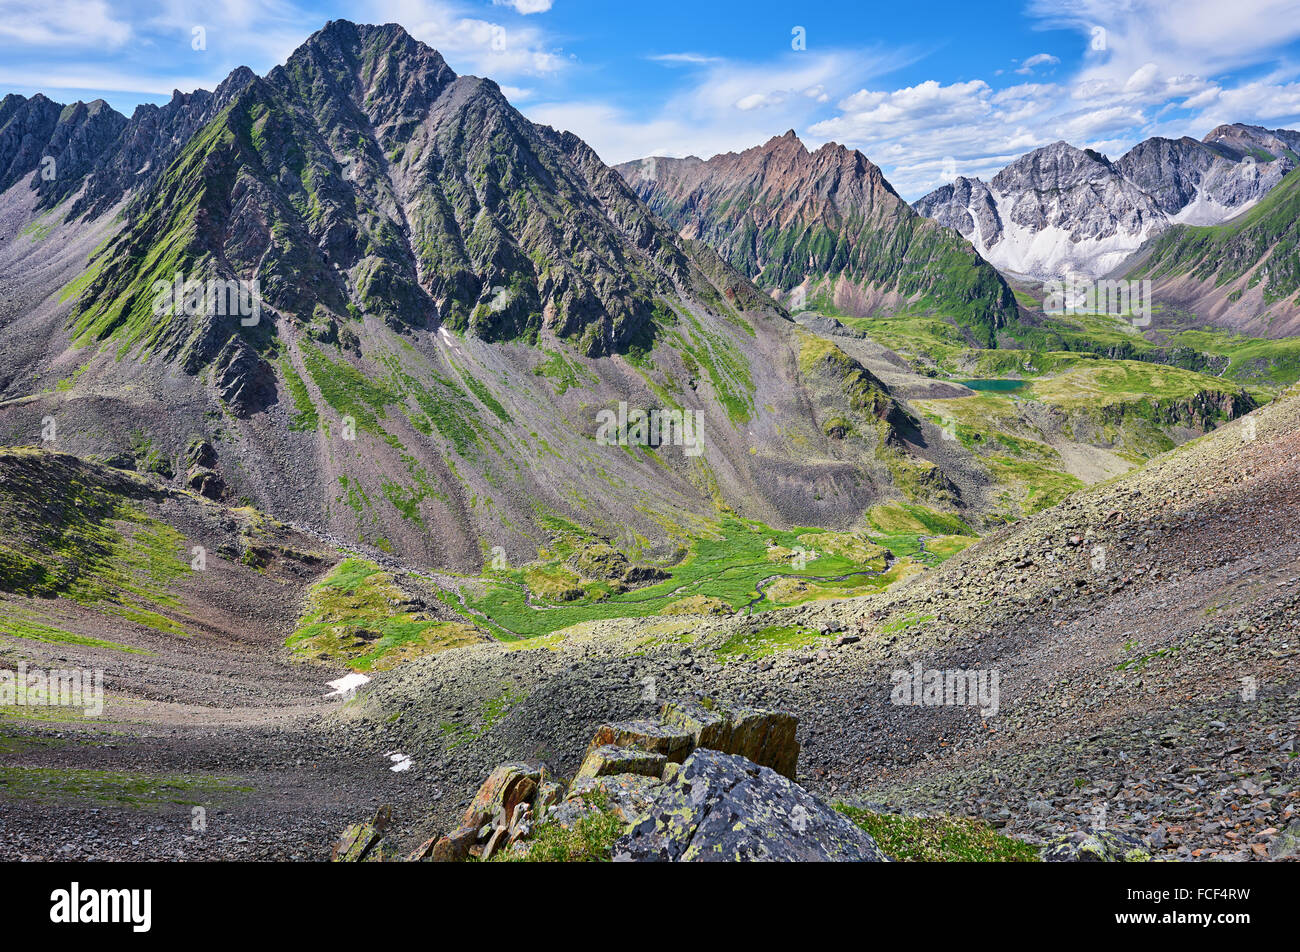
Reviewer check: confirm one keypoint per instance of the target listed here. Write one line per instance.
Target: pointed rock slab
(496, 842)
(507, 785)
(674, 742)
(765, 737)
(724, 808)
(548, 795)
(361, 842)
(422, 852)
(704, 720)
(606, 760)
(357, 843)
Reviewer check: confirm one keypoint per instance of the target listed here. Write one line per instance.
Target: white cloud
(1200, 36)
(729, 106)
(688, 59)
(80, 23)
(525, 6)
(473, 45)
(1038, 59)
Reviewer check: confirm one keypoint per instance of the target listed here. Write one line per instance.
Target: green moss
(486, 398)
(769, 640)
(357, 616)
(491, 712)
(939, 839)
(304, 417)
(562, 372)
(348, 391)
(127, 788)
(64, 533)
(31, 631)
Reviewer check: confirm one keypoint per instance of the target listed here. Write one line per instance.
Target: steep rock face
(1060, 210)
(1055, 210)
(56, 145)
(401, 190)
(826, 222)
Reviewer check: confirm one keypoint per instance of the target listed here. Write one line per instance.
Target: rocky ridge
(1060, 211)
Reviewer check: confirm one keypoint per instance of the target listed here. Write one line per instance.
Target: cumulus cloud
(727, 107)
(474, 45)
(1146, 68)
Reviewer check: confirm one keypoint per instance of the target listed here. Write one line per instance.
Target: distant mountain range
(1060, 210)
(825, 226)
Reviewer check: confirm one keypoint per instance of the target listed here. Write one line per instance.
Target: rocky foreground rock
(704, 783)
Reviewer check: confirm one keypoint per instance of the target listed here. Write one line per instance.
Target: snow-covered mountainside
(1060, 211)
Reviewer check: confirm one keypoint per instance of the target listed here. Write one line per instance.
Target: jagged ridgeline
(449, 296)
(828, 224)
(364, 177)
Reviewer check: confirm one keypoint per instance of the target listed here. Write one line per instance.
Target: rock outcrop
(705, 783)
(723, 808)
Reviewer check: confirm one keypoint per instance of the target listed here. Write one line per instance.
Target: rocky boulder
(765, 737)
(723, 808)
(1095, 846)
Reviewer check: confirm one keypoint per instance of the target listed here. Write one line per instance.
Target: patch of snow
(1206, 211)
(401, 762)
(347, 685)
(444, 336)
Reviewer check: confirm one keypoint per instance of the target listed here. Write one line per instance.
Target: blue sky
(927, 90)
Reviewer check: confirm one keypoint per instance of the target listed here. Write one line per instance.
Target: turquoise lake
(997, 386)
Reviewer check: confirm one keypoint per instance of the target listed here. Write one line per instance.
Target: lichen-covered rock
(454, 847)
(1286, 843)
(422, 852)
(364, 842)
(607, 760)
(1096, 846)
(723, 808)
(205, 482)
(706, 723)
(765, 737)
(548, 795)
(507, 785)
(675, 743)
(627, 796)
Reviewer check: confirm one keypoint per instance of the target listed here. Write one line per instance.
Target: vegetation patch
(31, 631)
(357, 616)
(127, 788)
(769, 640)
(939, 839)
